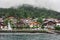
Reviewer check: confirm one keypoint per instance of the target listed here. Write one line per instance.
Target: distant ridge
(28, 11)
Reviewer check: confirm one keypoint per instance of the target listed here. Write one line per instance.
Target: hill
(28, 11)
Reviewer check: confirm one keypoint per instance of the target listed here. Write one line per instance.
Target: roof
(1, 19)
(34, 23)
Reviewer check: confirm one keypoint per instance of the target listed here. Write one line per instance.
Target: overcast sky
(50, 4)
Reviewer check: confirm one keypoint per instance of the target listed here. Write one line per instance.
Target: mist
(49, 4)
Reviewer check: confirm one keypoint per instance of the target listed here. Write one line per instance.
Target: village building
(49, 19)
(20, 24)
(49, 23)
(13, 19)
(1, 22)
(58, 23)
(2, 25)
(30, 22)
(52, 19)
(34, 24)
(26, 20)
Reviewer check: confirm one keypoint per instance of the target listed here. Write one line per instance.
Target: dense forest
(25, 11)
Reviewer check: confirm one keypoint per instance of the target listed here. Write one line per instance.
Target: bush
(35, 27)
(57, 27)
(42, 27)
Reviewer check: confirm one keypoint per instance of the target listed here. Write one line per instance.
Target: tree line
(25, 11)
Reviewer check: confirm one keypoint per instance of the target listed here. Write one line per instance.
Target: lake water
(29, 36)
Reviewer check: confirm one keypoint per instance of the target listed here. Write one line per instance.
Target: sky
(49, 4)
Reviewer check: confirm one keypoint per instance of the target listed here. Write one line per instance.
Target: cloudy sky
(50, 4)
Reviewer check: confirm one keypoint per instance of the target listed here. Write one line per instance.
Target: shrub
(57, 27)
(42, 27)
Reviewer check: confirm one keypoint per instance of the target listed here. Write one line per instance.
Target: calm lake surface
(29, 36)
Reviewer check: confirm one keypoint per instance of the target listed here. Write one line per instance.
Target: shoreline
(24, 31)
(29, 31)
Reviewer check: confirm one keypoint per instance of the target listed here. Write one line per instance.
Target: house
(58, 23)
(26, 20)
(20, 24)
(30, 22)
(3, 27)
(13, 19)
(34, 24)
(49, 24)
(1, 22)
(49, 19)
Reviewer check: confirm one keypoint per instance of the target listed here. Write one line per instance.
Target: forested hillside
(28, 11)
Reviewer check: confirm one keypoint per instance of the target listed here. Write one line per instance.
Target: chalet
(31, 22)
(4, 27)
(58, 23)
(49, 24)
(20, 24)
(34, 24)
(1, 22)
(13, 19)
(49, 19)
(1, 19)
(26, 20)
